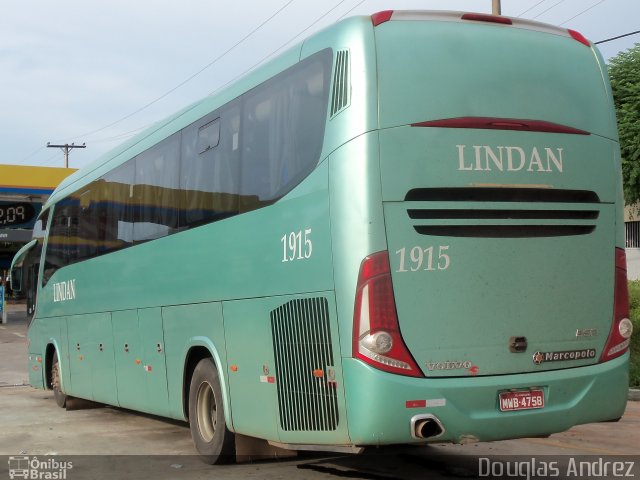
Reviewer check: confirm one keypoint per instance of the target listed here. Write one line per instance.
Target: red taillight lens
(492, 123)
(381, 17)
(579, 37)
(621, 327)
(483, 17)
(376, 333)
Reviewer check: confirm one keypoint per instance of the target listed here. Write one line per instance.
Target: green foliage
(634, 307)
(624, 71)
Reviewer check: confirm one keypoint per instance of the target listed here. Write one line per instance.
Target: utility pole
(65, 148)
(496, 9)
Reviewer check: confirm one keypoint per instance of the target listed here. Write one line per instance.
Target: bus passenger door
(151, 333)
(128, 351)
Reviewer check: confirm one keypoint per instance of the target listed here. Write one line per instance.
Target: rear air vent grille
(501, 195)
(454, 214)
(340, 97)
(307, 397)
(503, 212)
(503, 231)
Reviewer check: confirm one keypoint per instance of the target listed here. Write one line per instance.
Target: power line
(122, 135)
(264, 59)
(545, 11)
(144, 107)
(50, 160)
(303, 31)
(353, 8)
(584, 11)
(531, 8)
(616, 38)
(32, 154)
(131, 132)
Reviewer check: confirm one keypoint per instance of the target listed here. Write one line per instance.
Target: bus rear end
(499, 307)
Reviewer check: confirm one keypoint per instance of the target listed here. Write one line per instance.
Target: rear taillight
(492, 123)
(381, 17)
(579, 37)
(376, 333)
(621, 328)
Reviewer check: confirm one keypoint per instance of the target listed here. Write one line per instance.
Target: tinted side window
(210, 177)
(39, 234)
(208, 136)
(244, 156)
(283, 130)
(115, 209)
(156, 191)
(59, 247)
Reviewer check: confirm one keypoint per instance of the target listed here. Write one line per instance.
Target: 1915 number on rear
(426, 259)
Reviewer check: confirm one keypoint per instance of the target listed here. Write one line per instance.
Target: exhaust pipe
(426, 426)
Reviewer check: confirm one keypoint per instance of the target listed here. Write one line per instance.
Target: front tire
(214, 442)
(58, 394)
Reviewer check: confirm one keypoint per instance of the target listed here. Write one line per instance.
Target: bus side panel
(79, 357)
(186, 327)
(36, 370)
(139, 356)
(286, 378)
(91, 358)
(101, 358)
(357, 221)
(264, 252)
(250, 357)
(130, 374)
(150, 325)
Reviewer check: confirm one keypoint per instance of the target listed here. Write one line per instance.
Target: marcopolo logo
(35, 469)
(541, 357)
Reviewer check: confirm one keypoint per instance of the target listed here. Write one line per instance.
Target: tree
(624, 71)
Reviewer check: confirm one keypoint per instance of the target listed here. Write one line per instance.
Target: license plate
(521, 400)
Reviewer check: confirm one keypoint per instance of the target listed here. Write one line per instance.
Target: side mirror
(18, 265)
(16, 280)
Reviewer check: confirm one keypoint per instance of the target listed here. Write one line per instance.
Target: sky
(99, 72)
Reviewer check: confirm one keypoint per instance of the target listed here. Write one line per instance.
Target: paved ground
(116, 443)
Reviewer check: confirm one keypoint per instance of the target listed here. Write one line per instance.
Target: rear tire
(58, 394)
(214, 442)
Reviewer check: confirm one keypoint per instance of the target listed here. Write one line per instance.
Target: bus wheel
(61, 398)
(206, 415)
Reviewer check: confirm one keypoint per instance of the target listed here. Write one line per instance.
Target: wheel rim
(206, 411)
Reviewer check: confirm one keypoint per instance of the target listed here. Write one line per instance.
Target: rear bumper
(378, 411)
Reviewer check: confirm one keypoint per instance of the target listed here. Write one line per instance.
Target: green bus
(406, 229)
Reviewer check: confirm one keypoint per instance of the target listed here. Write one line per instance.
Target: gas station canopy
(23, 191)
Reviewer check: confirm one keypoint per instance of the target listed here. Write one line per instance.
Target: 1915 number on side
(296, 245)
